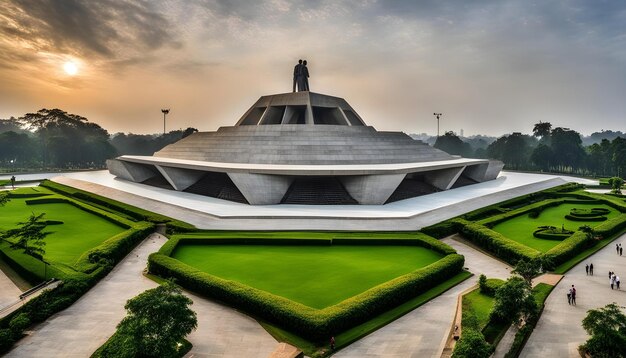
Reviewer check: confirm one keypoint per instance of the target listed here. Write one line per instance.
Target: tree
(607, 327)
(157, 321)
(30, 236)
(69, 140)
(542, 156)
(514, 301)
(452, 144)
(529, 269)
(542, 130)
(567, 148)
(472, 345)
(616, 184)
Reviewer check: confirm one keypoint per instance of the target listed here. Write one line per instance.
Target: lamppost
(165, 112)
(437, 115)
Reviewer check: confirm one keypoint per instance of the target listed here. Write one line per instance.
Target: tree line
(53, 138)
(548, 149)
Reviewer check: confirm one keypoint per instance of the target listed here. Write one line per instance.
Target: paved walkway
(9, 292)
(423, 332)
(559, 331)
(79, 330)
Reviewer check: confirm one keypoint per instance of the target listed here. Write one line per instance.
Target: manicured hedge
(315, 325)
(490, 286)
(443, 229)
(496, 243)
(611, 227)
(569, 248)
(116, 206)
(585, 218)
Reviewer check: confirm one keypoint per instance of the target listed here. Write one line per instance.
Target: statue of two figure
(301, 77)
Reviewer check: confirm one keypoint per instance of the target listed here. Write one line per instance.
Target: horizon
(118, 64)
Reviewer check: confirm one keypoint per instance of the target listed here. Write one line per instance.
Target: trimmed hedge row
(490, 286)
(315, 325)
(496, 243)
(611, 227)
(585, 218)
(116, 206)
(569, 248)
(443, 229)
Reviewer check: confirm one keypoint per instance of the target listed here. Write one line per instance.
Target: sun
(70, 68)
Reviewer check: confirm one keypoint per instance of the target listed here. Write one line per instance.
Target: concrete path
(9, 292)
(423, 332)
(559, 331)
(79, 330)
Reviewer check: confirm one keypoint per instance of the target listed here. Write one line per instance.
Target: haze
(491, 67)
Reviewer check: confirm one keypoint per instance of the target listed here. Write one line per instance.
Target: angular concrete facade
(303, 148)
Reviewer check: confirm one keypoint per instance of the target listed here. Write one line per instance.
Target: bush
(490, 286)
(472, 345)
(6, 340)
(569, 248)
(315, 325)
(496, 243)
(443, 229)
(19, 323)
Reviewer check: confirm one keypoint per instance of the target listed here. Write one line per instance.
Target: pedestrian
(620, 251)
(573, 295)
(617, 248)
(332, 343)
(612, 281)
(591, 269)
(587, 269)
(569, 297)
(617, 281)
(610, 274)
(13, 182)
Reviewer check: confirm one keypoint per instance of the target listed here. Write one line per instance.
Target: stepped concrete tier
(303, 148)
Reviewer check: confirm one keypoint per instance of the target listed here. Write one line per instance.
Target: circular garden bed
(593, 214)
(552, 233)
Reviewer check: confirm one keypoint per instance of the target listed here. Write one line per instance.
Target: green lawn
(79, 232)
(521, 228)
(480, 305)
(317, 276)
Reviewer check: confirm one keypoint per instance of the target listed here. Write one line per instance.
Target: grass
(521, 228)
(347, 337)
(478, 305)
(79, 232)
(317, 276)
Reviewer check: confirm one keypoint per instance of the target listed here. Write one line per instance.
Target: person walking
(573, 295)
(13, 182)
(617, 281)
(569, 297)
(612, 281)
(587, 269)
(591, 269)
(620, 250)
(617, 248)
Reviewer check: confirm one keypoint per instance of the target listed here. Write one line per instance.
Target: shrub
(490, 286)
(569, 248)
(19, 323)
(471, 345)
(316, 325)
(496, 243)
(6, 340)
(443, 229)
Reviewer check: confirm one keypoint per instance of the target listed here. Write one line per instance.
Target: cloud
(103, 29)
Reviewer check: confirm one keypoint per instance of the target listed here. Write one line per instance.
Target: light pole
(165, 112)
(437, 115)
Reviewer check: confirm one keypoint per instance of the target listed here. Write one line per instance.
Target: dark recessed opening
(252, 119)
(317, 191)
(217, 185)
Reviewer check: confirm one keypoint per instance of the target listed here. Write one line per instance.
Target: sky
(491, 67)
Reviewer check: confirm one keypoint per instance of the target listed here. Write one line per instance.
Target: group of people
(589, 269)
(613, 280)
(301, 77)
(571, 296)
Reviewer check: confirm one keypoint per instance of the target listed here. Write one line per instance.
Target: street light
(437, 115)
(165, 112)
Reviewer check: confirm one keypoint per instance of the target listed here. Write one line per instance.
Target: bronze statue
(301, 77)
(297, 72)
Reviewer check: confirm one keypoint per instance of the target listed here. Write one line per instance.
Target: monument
(303, 148)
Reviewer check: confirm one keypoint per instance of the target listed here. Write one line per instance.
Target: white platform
(211, 213)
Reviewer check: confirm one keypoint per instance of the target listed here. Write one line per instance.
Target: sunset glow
(70, 68)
